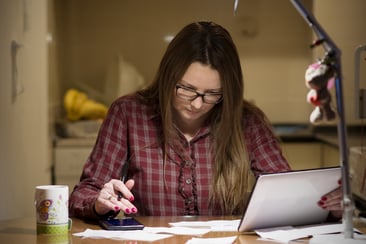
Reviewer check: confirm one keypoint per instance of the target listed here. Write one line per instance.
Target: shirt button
(188, 164)
(189, 181)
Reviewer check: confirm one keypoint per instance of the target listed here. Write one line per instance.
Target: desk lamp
(333, 54)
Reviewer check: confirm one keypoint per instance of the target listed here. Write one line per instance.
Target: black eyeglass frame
(198, 94)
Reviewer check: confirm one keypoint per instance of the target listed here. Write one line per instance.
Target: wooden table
(24, 231)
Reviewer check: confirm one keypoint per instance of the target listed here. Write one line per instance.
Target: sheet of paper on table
(137, 235)
(286, 234)
(338, 239)
(218, 240)
(213, 225)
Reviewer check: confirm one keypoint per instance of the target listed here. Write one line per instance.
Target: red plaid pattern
(131, 132)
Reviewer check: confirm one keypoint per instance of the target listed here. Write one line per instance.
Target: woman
(191, 143)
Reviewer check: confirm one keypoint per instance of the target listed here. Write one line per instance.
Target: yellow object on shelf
(79, 106)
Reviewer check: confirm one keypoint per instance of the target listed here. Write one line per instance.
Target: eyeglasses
(190, 94)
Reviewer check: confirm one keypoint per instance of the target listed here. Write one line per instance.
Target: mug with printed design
(51, 202)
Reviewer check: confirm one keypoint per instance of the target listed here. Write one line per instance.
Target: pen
(123, 177)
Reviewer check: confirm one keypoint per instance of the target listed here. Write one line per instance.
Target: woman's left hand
(332, 201)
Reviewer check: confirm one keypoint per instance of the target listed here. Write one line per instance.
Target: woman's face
(196, 93)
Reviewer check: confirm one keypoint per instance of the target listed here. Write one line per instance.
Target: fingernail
(134, 210)
(132, 199)
(116, 208)
(127, 210)
(339, 182)
(320, 203)
(324, 198)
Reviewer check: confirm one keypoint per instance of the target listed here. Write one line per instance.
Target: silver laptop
(289, 199)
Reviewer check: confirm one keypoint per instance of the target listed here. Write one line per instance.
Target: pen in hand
(123, 177)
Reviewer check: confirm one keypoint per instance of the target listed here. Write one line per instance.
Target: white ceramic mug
(52, 212)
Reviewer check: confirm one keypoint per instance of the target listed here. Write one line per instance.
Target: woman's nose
(197, 102)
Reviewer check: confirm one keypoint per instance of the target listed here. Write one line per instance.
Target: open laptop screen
(289, 198)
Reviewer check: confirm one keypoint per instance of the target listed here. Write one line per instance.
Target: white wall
(25, 142)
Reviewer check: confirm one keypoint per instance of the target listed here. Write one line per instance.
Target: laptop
(289, 199)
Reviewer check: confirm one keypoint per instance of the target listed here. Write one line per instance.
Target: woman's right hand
(115, 195)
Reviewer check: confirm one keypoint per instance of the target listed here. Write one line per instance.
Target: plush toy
(319, 78)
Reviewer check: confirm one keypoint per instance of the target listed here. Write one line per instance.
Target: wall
(271, 37)
(53, 65)
(25, 158)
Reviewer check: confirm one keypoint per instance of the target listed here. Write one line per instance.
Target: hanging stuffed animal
(319, 78)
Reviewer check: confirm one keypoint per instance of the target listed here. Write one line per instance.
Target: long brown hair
(210, 44)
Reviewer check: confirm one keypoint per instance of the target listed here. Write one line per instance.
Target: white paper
(213, 225)
(147, 234)
(137, 235)
(338, 239)
(218, 240)
(178, 230)
(288, 234)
